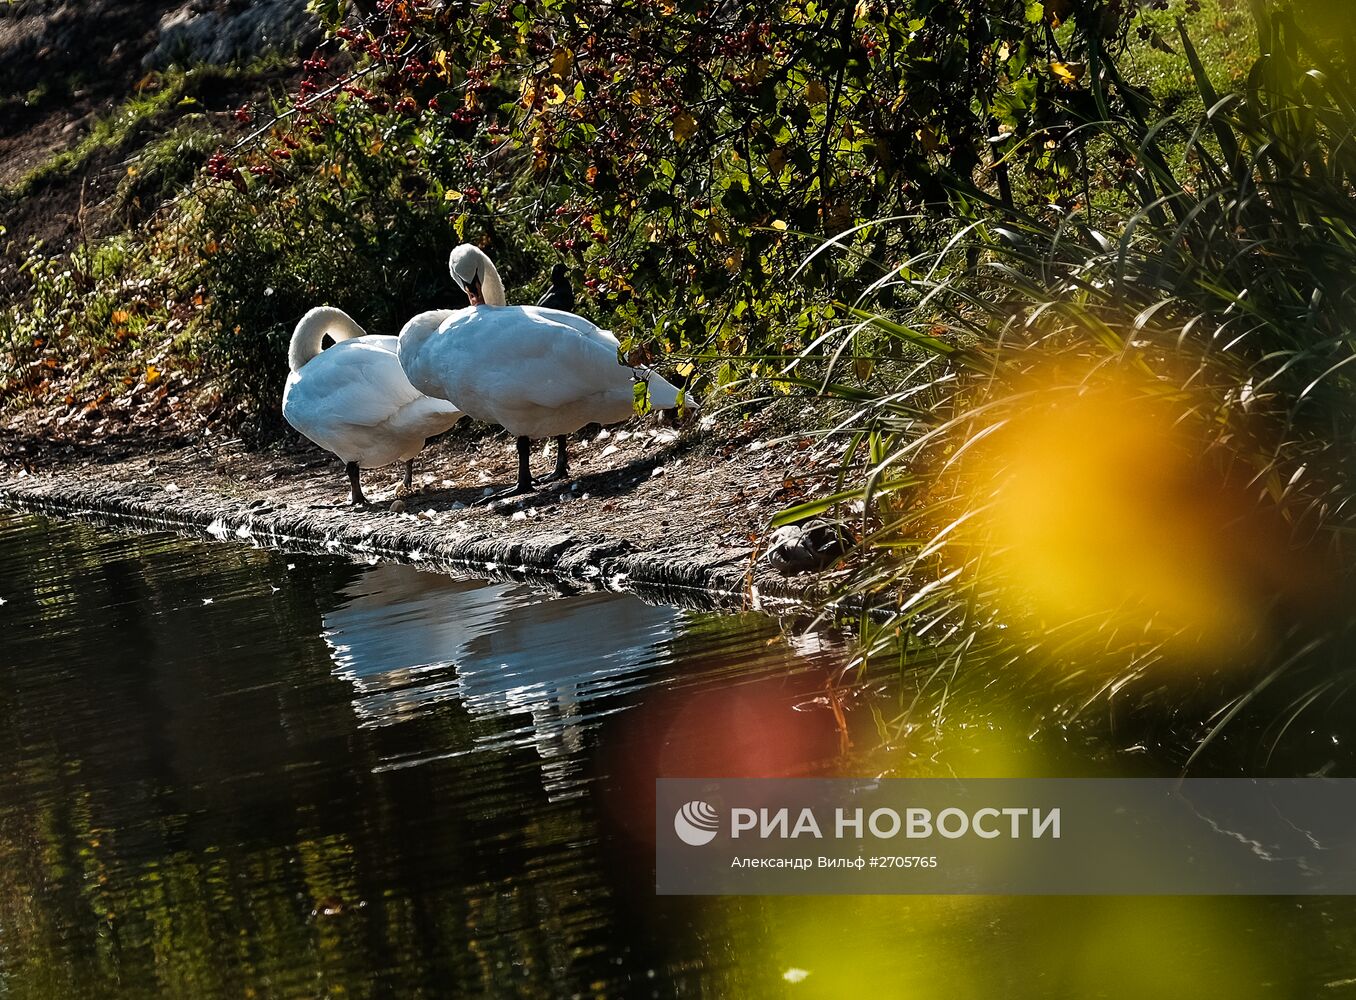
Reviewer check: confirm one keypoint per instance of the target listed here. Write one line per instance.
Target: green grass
(144, 111)
(1224, 36)
(109, 132)
(166, 165)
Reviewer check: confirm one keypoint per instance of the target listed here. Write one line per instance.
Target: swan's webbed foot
(516, 490)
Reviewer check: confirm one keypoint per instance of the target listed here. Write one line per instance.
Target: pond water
(234, 772)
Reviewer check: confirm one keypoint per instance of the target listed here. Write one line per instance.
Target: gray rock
(808, 547)
(202, 32)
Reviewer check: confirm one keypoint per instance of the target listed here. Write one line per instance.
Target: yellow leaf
(560, 63)
(717, 230)
(815, 92)
(668, 7)
(557, 95)
(1068, 72)
(684, 125)
(640, 97)
(152, 374)
(779, 225)
(776, 162)
(120, 316)
(439, 62)
(452, 195)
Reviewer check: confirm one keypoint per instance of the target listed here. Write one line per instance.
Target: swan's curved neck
(492, 286)
(309, 336)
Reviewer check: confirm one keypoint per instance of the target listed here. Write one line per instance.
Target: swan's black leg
(524, 466)
(409, 474)
(524, 484)
(562, 468)
(355, 491)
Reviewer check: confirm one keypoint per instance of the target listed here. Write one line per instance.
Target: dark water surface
(231, 772)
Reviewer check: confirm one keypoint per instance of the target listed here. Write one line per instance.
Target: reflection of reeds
(1122, 438)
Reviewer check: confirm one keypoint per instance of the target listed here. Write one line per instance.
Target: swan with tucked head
(354, 399)
(536, 372)
(476, 275)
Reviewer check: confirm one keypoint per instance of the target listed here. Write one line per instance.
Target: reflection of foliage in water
(192, 808)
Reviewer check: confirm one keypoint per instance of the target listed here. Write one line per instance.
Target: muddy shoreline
(661, 518)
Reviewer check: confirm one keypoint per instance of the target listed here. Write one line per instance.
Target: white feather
(354, 399)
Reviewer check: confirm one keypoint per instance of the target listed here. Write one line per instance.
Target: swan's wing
(522, 355)
(575, 322)
(663, 394)
(426, 417)
(355, 383)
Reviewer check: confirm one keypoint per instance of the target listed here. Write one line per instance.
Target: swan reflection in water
(408, 640)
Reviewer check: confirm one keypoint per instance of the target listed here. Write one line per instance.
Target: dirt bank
(671, 516)
(65, 67)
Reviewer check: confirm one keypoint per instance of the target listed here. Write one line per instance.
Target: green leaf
(641, 397)
(330, 12)
(810, 508)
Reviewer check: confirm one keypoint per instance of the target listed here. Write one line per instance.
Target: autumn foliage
(683, 157)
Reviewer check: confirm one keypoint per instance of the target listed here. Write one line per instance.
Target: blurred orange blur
(1102, 511)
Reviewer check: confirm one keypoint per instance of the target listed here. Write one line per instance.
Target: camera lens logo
(696, 823)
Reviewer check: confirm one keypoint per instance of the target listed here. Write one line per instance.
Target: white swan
(476, 275)
(536, 372)
(354, 399)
